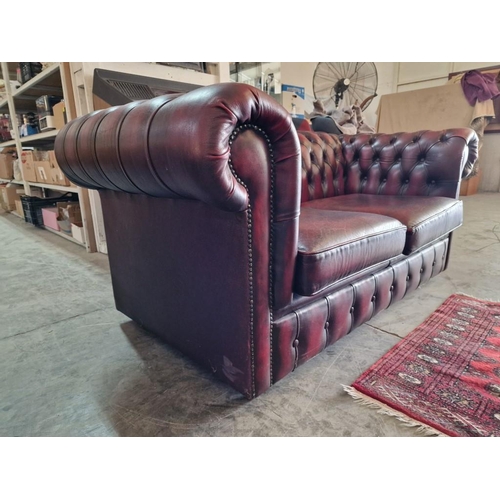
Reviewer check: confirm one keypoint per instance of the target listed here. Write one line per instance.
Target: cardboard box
(41, 155)
(43, 172)
(69, 211)
(18, 176)
(9, 193)
(56, 174)
(6, 163)
(78, 232)
(36, 191)
(19, 208)
(28, 166)
(59, 112)
(50, 215)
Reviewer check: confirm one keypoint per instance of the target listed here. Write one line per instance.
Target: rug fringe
(477, 298)
(384, 409)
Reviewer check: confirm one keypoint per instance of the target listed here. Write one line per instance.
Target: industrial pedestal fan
(345, 84)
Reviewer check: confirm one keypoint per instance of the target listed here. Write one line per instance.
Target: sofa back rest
(322, 165)
(424, 163)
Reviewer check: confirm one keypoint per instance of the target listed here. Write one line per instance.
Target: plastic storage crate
(32, 206)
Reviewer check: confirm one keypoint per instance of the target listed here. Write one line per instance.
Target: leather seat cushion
(427, 218)
(335, 244)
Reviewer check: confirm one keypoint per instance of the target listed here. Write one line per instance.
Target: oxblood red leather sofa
(251, 247)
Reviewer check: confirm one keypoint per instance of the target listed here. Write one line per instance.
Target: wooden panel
(68, 91)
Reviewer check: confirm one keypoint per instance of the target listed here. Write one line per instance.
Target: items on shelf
(29, 165)
(68, 213)
(42, 167)
(16, 169)
(30, 125)
(7, 157)
(65, 217)
(27, 70)
(9, 194)
(19, 208)
(45, 110)
(33, 205)
(5, 127)
(59, 113)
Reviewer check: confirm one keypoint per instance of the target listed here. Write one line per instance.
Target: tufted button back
(409, 163)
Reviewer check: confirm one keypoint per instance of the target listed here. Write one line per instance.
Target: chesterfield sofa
(250, 246)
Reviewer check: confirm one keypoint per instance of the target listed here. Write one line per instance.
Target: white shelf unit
(53, 80)
(12, 181)
(64, 189)
(41, 137)
(63, 235)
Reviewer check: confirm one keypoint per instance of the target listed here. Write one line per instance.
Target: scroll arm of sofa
(173, 146)
(471, 153)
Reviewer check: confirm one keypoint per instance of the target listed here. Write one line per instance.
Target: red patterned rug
(444, 377)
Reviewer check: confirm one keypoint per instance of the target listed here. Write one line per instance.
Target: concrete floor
(71, 365)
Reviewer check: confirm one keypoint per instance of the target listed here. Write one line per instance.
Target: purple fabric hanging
(479, 86)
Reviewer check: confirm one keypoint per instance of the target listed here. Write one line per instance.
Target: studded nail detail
(250, 248)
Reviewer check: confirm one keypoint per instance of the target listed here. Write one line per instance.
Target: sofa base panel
(305, 332)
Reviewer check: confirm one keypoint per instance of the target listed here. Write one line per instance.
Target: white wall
(418, 75)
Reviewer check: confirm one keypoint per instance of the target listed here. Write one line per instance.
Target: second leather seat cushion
(333, 245)
(427, 218)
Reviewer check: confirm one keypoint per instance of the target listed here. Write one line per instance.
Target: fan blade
(364, 88)
(356, 70)
(324, 88)
(326, 73)
(356, 94)
(335, 70)
(364, 77)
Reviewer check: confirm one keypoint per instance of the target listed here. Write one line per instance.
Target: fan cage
(362, 87)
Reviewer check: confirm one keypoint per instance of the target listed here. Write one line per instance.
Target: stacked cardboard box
(9, 194)
(19, 208)
(42, 166)
(28, 166)
(59, 111)
(6, 163)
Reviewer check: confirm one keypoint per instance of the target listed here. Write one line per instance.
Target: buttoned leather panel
(425, 163)
(305, 332)
(322, 165)
(335, 244)
(426, 219)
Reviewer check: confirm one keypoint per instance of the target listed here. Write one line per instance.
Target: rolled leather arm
(178, 146)
(425, 163)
